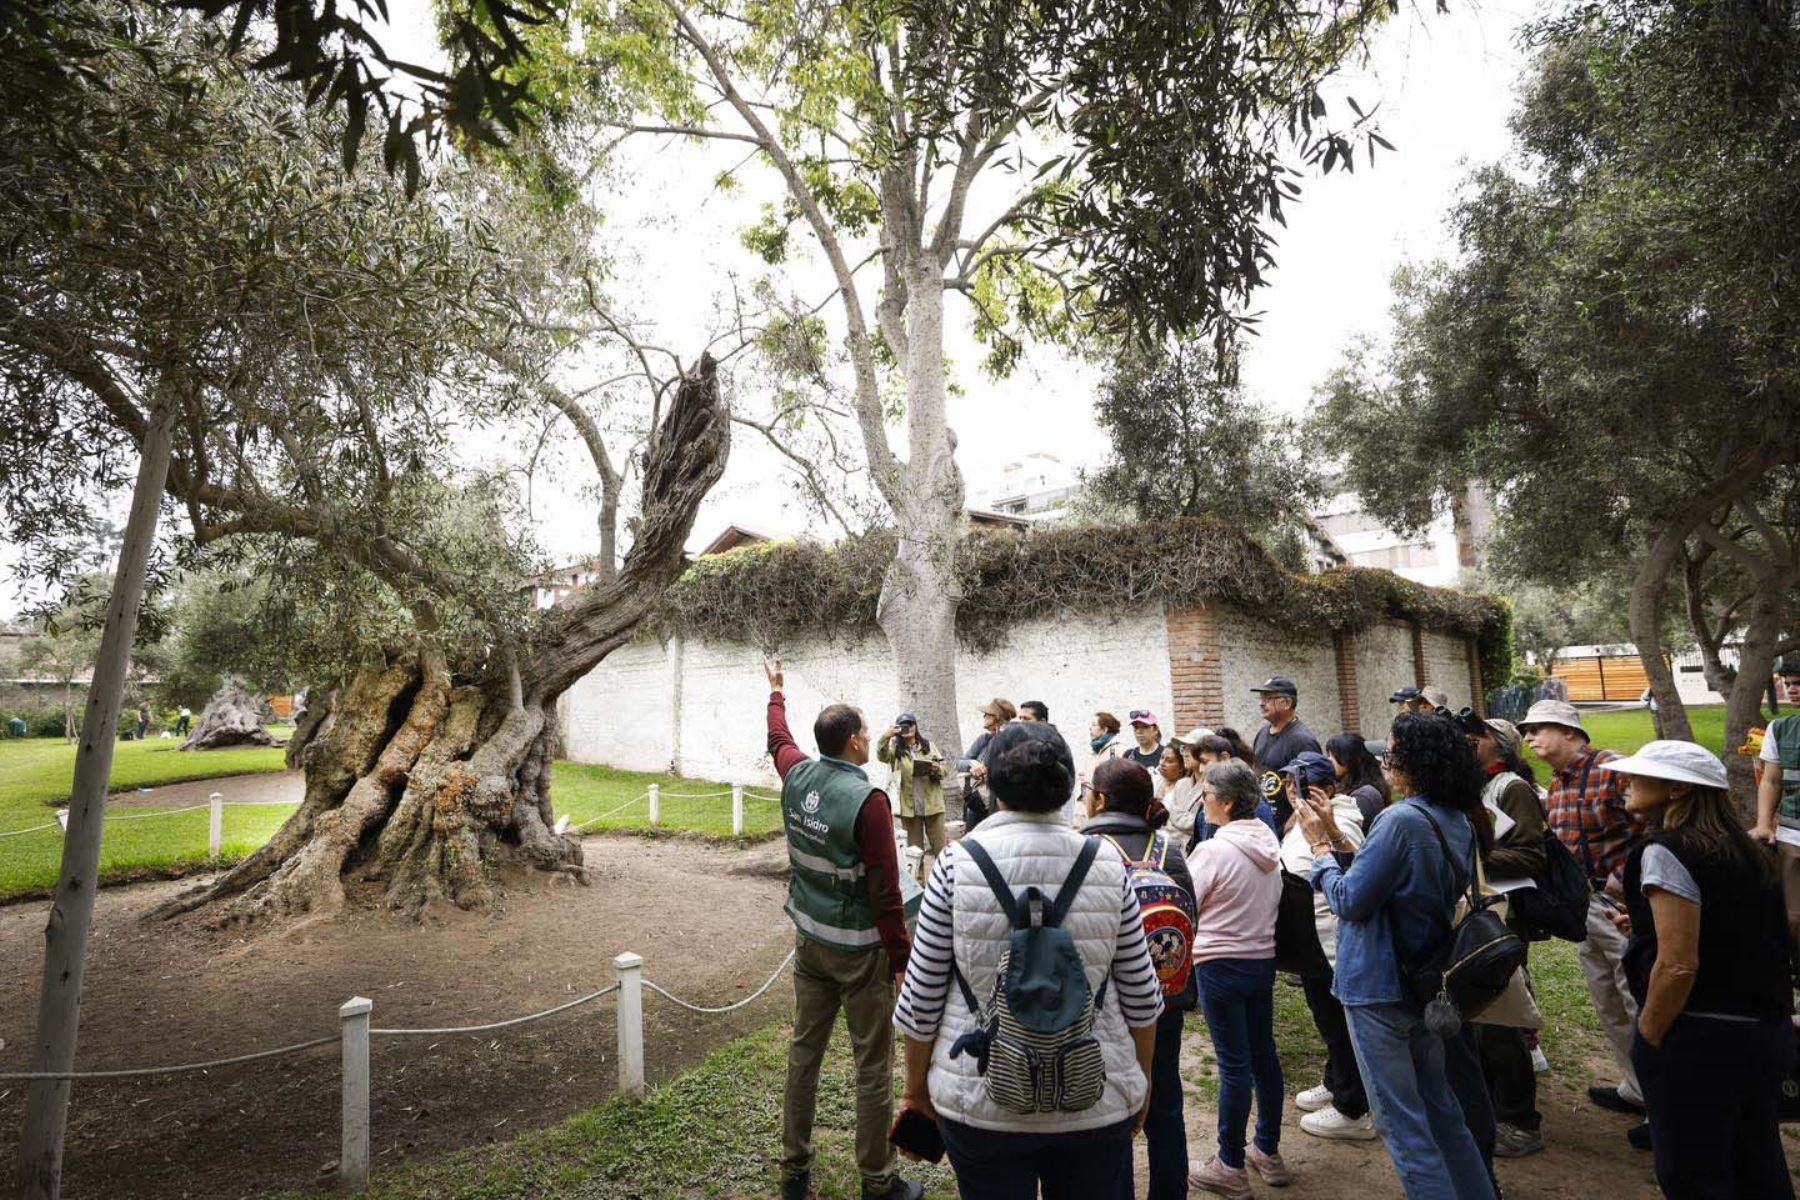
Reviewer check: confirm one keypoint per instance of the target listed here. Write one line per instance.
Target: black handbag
(1297, 948)
(1476, 966)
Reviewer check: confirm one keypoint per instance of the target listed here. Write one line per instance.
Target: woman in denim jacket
(1394, 903)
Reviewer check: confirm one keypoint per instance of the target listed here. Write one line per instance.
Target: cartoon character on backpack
(1169, 913)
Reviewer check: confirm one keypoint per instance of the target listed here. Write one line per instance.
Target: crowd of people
(1096, 898)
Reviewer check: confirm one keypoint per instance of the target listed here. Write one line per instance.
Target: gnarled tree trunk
(424, 787)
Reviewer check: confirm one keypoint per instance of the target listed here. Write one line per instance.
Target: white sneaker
(1328, 1122)
(1539, 1064)
(1313, 1099)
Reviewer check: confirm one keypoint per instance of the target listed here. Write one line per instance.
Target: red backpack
(1169, 914)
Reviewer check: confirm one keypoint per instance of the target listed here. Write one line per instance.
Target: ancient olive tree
(190, 251)
(1614, 353)
(1061, 171)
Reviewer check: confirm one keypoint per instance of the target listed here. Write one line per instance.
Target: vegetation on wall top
(776, 593)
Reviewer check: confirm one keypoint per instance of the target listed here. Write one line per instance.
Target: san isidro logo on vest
(811, 803)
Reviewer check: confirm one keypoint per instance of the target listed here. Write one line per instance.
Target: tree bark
(1647, 591)
(72, 913)
(420, 789)
(1756, 663)
(919, 592)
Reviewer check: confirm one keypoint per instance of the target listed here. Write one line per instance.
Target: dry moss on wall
(773, 594)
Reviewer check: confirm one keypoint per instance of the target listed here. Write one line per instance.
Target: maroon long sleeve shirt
(874, 841)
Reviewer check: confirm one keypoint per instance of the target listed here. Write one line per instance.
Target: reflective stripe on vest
(824, 866)
(831, 933)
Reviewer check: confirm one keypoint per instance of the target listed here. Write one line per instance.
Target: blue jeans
(1238, 997)
(1423, 1126)
(991, 1165)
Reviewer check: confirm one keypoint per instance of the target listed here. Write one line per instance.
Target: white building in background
(1455, 542)
(1037, 487)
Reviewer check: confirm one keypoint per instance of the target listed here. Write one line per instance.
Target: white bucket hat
(1192, 736)
(1683, 762)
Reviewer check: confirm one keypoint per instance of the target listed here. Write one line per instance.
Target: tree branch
(883, 463)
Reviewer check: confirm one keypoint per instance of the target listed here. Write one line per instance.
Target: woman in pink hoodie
(1237, 887)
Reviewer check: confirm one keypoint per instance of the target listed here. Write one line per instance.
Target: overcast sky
(1445, 85)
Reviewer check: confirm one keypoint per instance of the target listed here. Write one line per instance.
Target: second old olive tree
(1072, 172)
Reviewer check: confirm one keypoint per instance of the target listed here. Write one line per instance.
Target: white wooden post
(655, 804)
(215, 825)
(737, 810)
(353, 1157)
(628, 969)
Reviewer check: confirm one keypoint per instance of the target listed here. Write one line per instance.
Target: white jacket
(1033, 848)
(1297, 859)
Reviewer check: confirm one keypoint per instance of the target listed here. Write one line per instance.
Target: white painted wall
(1253, 650)
(697, 707)
(1384, 665)
(1447, 666)
(620, 712)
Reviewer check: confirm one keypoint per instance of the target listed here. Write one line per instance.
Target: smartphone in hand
(916, 1135)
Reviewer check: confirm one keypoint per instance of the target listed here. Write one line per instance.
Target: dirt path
(286, 787)
(1586, 1153)
(707, 921)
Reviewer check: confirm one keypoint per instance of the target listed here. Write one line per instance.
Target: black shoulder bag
(1557, 906)
(1481, 958)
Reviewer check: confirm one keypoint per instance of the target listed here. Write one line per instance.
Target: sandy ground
(707, 921)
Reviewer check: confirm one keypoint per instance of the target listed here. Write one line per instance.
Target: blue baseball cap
(1403, 695)
(1312, 770)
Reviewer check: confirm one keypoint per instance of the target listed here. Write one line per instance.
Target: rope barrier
(27, 829)
(136, 1072)
(663, 992)
(609, 812)
(161, 812)
(695, 795)
(537, 1016)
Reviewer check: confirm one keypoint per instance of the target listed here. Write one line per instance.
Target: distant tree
(1186, 442)
(66, 647)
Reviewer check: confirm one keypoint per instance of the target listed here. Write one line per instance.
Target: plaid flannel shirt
(1609, 830)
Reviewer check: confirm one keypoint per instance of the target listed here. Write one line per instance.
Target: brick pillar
(1343, 646)
(1195, 668)
(1479, 700)
(1420, 677)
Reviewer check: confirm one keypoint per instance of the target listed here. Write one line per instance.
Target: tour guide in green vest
(850, 940)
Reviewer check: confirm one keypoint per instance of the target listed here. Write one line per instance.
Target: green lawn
(35, 773)
(35, 776)
(584, 791)
(716, 1130)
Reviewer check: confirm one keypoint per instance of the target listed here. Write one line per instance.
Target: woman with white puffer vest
(1030, 1002)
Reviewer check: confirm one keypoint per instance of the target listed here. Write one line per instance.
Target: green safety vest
(828, 894)
(1786, 734)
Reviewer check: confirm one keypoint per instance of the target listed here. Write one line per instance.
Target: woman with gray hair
(1237, 887)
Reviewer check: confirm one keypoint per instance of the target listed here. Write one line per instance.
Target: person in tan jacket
(917, 786)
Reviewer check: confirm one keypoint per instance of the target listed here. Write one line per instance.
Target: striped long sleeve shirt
(927, 986)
